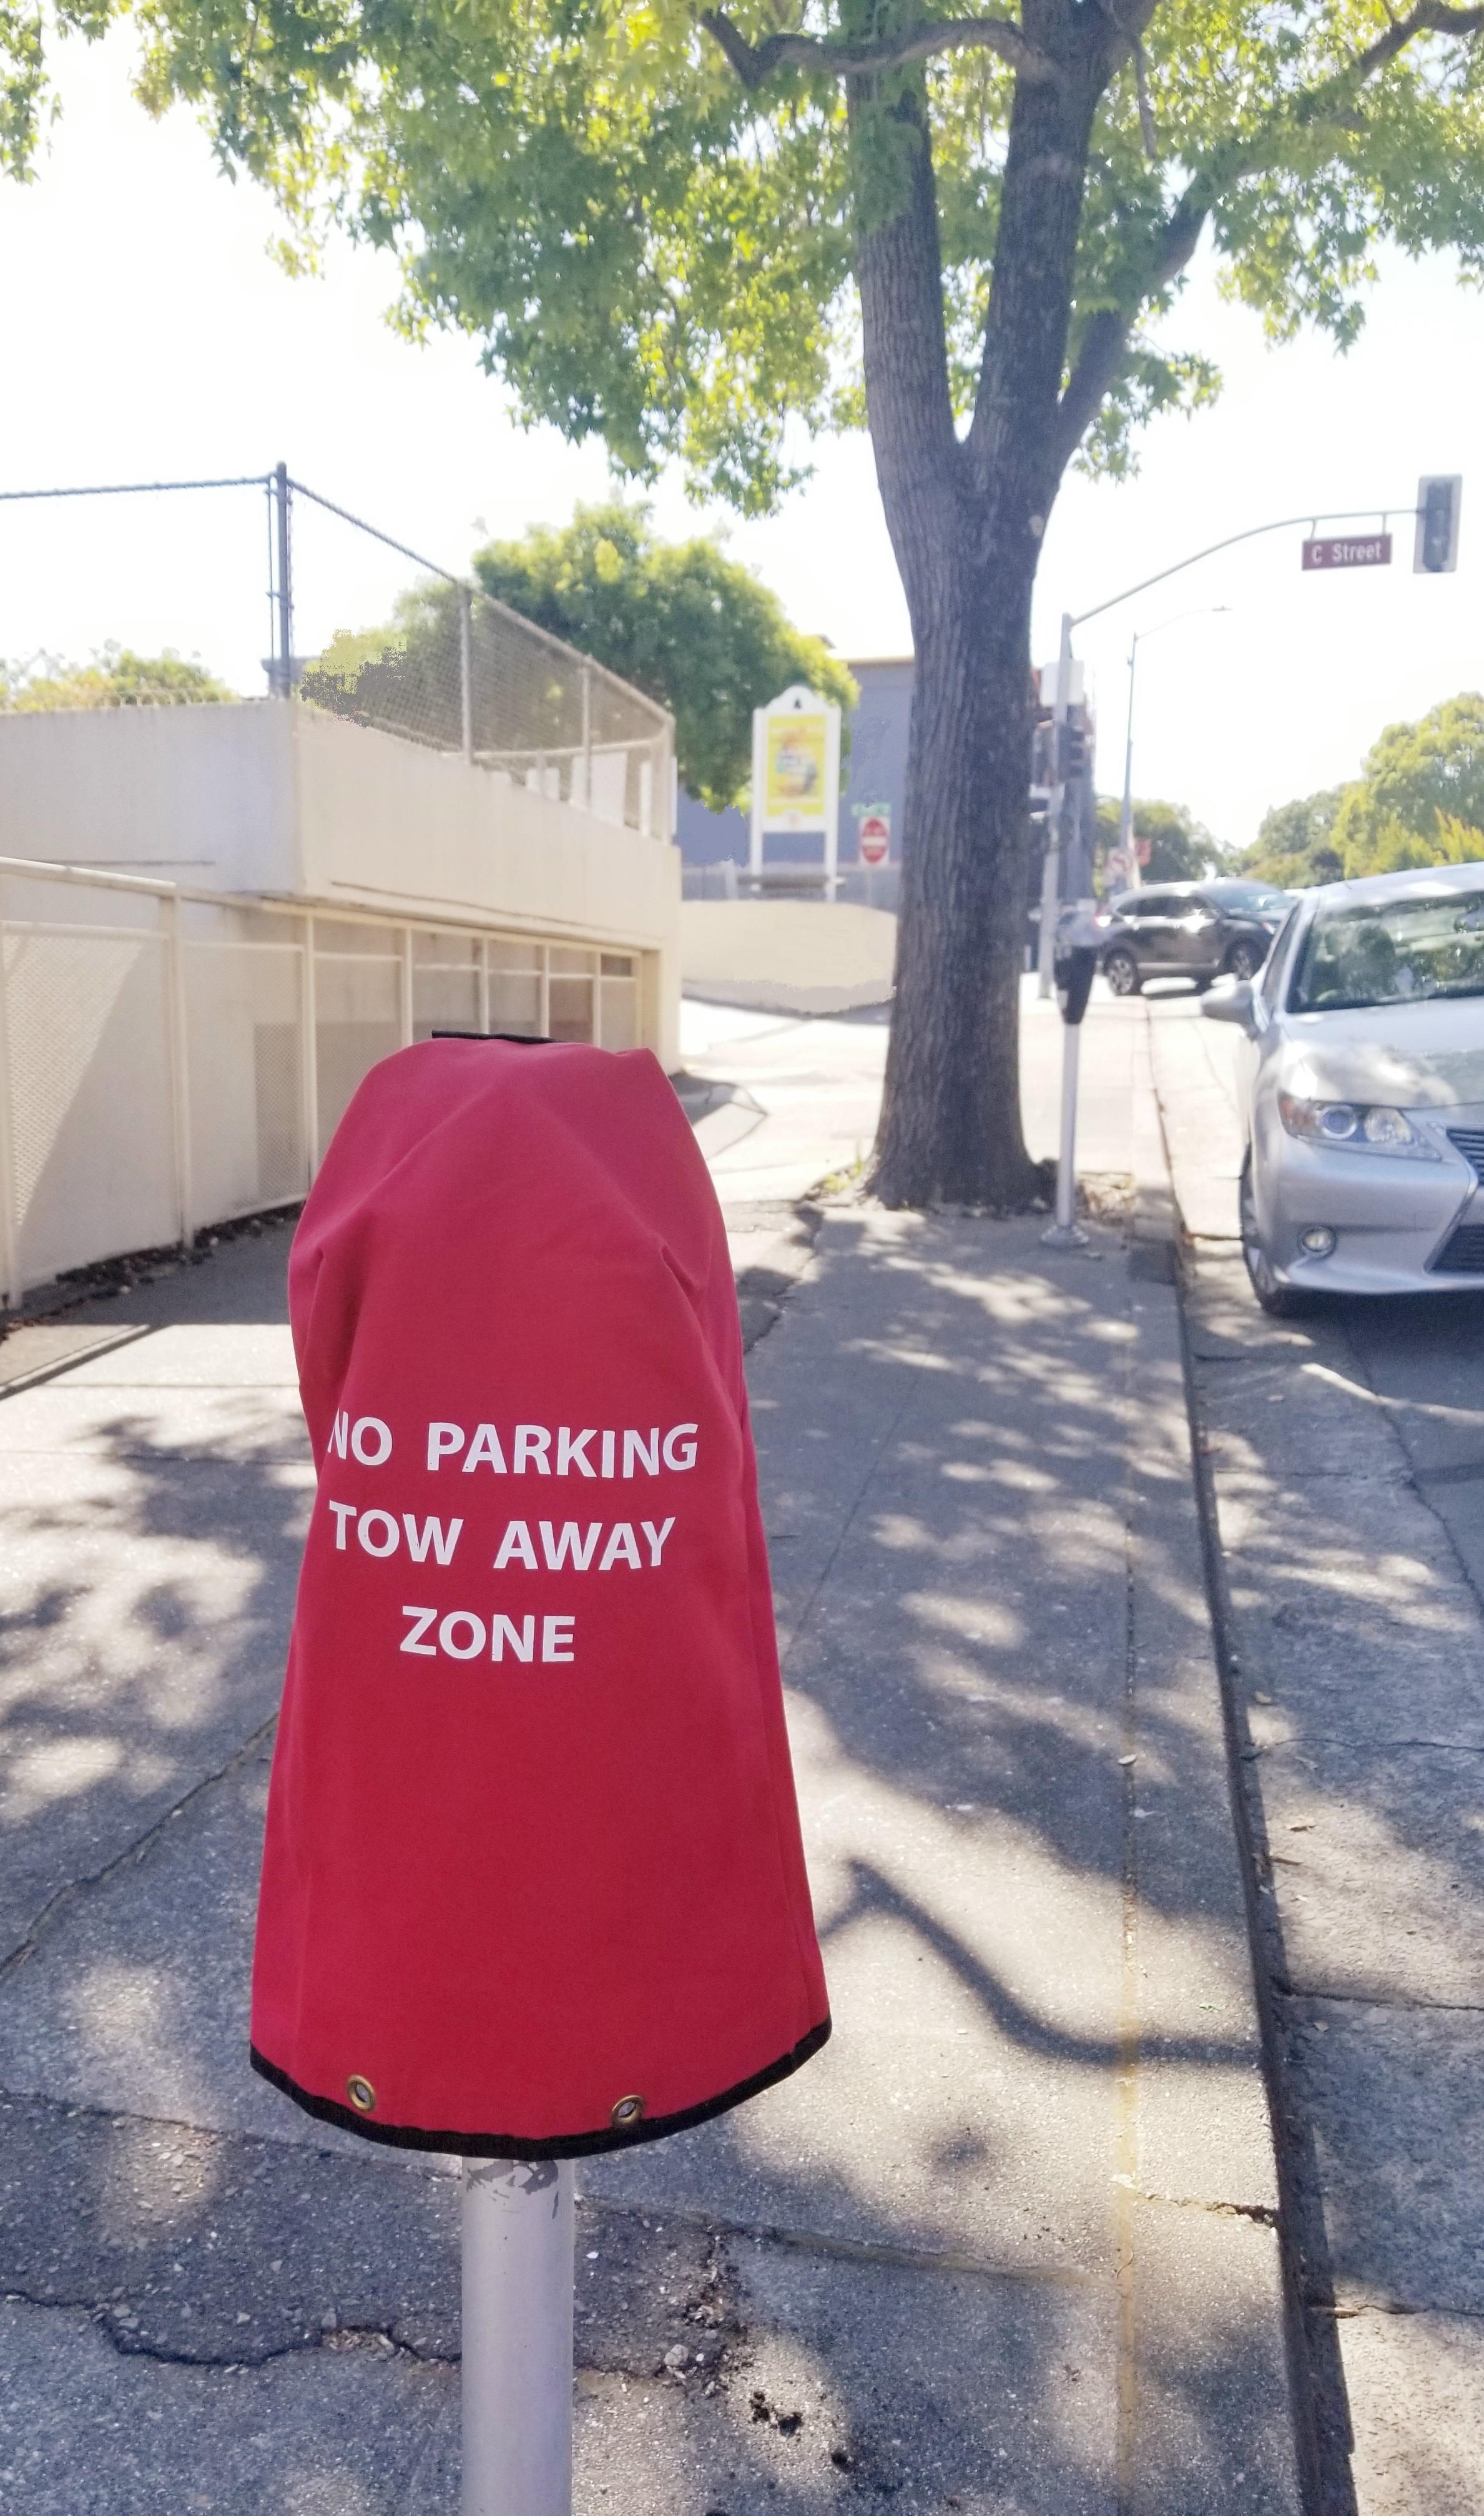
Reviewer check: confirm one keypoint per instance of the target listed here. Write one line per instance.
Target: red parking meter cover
(533, 1881)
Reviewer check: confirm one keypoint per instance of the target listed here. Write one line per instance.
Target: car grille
(1463, 1254)
(1470, 1142)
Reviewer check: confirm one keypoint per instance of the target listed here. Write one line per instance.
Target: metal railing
(458, 672)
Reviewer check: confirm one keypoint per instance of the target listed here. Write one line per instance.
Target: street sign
(1343, 550)
(1141, 848)
(796, 775)
(875, 835)
(1118, 865)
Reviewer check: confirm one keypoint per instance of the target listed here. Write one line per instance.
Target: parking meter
(1073, 968)
(533, 1882)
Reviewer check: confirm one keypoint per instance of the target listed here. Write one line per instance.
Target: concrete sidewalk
(1007, 2245)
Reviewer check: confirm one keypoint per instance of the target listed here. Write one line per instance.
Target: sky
(152, 336)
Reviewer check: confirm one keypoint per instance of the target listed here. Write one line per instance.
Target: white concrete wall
(395, 827)
(787, 955)
(258, 796)
(201, 795)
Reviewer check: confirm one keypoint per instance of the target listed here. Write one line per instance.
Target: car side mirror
(1232, 1001)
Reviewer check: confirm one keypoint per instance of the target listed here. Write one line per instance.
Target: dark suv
(1189, 930)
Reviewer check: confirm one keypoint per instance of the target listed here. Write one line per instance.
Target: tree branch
(1107, 334)
(1106, 337)
(755, 63)
(1429, 18)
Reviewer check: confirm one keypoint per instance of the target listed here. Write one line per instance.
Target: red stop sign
(876, 838)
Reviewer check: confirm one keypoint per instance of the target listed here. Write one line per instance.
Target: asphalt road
(1344, 1453)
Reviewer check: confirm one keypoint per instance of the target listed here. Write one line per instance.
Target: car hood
(1415, 1057)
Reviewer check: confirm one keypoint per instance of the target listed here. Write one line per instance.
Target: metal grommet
(362, 2094)
(628, 2110)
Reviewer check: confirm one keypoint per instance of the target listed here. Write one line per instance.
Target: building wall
(271, 798)
(794, 957)
(201, 795)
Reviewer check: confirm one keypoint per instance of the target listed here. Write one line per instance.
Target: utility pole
(1125, 818)
(1050, 872)
(284, 676)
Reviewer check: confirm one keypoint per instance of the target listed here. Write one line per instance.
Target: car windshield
(1258, 898)
(1396, 953)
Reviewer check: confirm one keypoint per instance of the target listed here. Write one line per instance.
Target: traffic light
(1438, 499)
(1072, 746)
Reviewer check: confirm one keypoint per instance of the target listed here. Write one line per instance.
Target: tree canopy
(684, 623)
(700, 232)
(1418, 801)
(647, 214)
(116, 678)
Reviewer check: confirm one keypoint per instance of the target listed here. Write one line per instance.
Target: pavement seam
(135, 1850)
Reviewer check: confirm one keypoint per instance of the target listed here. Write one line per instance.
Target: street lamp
(1201, 611)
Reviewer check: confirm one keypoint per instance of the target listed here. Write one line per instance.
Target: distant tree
(680, 621)
(116, 678)
(1418, 801)
(1180, 848)
(1296, 845)
(684, 623)
(701, 232)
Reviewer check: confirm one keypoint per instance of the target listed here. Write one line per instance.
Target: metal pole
(1065, 1233)
(1050, 872)
(180, 1071)
(466, 668)
(285, 689)
(519, 2239)
(9, 1234)
(308, 1062)
(1125, 818)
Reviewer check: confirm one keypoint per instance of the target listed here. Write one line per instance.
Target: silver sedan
(1362, 1076)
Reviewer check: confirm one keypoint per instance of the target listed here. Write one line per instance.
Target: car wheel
(1280, 1301)
(1121, 972)
(1245, 959)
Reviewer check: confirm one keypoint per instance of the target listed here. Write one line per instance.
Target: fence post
(180, 1074)
(285, 672)
(10, 1253)
(466, 668)
(309, 1064)
(405, 989)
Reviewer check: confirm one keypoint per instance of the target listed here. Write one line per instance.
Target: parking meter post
(1077, 956)
(1051, 873)
(1065, 1233)
(518, 2234)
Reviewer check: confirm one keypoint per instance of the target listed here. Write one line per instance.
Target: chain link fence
(426, 656)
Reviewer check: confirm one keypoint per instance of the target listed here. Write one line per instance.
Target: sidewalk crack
(64, 1896)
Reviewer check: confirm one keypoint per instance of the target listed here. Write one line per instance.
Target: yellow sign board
(795, 780)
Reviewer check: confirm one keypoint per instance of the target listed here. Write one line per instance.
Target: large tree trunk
(965, 519)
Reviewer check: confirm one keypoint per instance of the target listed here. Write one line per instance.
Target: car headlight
(1357, 1126)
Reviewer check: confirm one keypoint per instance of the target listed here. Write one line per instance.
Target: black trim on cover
(577, 2144)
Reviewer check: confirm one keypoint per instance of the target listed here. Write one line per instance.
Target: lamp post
(1201, 611)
